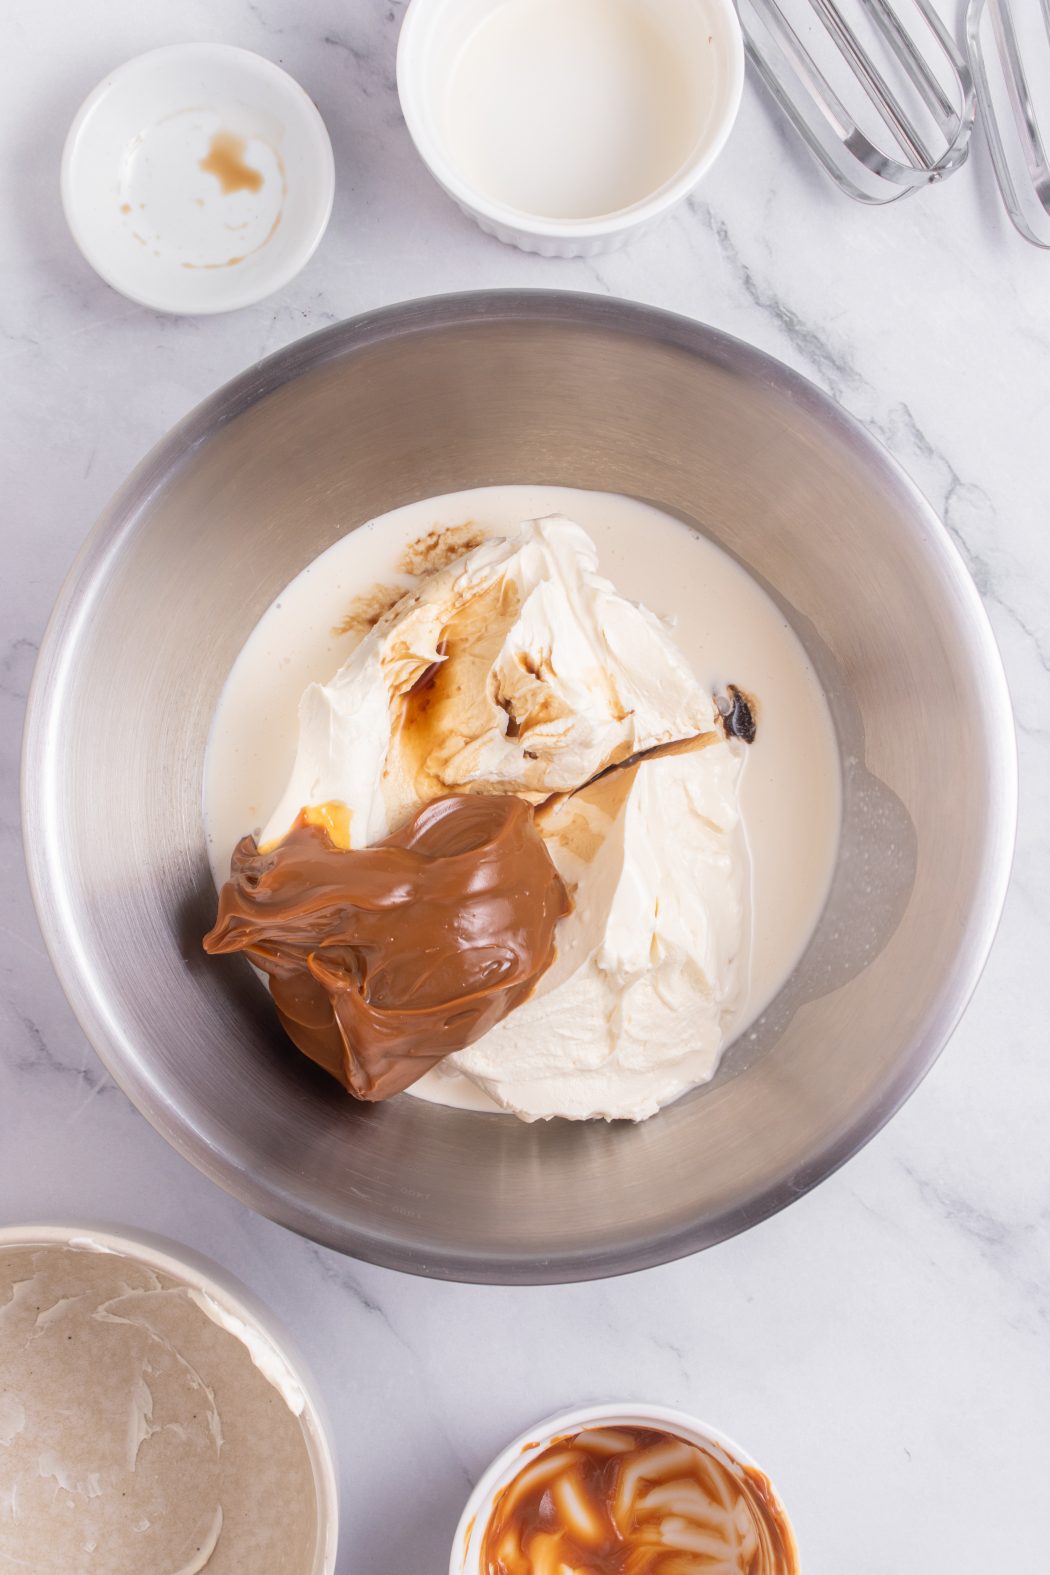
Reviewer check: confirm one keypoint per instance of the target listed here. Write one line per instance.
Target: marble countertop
(883, 1346)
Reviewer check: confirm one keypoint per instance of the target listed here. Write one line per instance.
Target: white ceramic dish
(467, 1544)
(563, 133)
(269, 1344)
(198, 178)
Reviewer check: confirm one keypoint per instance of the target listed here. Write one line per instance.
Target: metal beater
(881, 95)
(1009, 46)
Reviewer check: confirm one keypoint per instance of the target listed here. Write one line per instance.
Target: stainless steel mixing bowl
(422, 399)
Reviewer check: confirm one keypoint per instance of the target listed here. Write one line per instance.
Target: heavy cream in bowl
(730, 634)
(569, 121)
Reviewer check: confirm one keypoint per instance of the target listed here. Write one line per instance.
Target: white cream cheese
(518, 668)
(652, 961)
(542, 674)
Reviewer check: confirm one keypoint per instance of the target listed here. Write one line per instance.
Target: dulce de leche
(383, 960)
(637, 1501)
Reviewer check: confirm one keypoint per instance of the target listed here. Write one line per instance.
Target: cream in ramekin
(567, 127)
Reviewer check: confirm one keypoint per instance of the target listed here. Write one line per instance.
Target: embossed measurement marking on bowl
(571, 109)
(728, 628)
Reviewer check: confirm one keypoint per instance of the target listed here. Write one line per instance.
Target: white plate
(198, 178)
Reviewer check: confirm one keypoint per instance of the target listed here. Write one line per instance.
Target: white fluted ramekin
(434, 31)
(470, 1533)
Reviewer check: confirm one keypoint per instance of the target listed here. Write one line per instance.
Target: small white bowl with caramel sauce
(615, 1487)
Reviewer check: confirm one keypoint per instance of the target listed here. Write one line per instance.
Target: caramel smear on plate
(225, 160)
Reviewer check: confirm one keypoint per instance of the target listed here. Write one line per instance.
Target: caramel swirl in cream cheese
(516, 668)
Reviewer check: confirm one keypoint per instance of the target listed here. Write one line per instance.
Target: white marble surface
(884, 1345)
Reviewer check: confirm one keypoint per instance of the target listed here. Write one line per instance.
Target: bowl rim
(229, 1167)
(197, 1270)
(618, 221)
(532, 1441)
(266, 282)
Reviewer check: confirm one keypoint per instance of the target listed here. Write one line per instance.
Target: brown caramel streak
(609, 787)
(447, 704)
(225, 160)
(559, 1510)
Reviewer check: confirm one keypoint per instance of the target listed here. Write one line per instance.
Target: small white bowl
(234, 1308)
(198, 178)
(476, 117)
(470, 1533)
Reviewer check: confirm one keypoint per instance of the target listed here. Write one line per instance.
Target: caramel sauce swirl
(383, 960)
(637, 1501)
